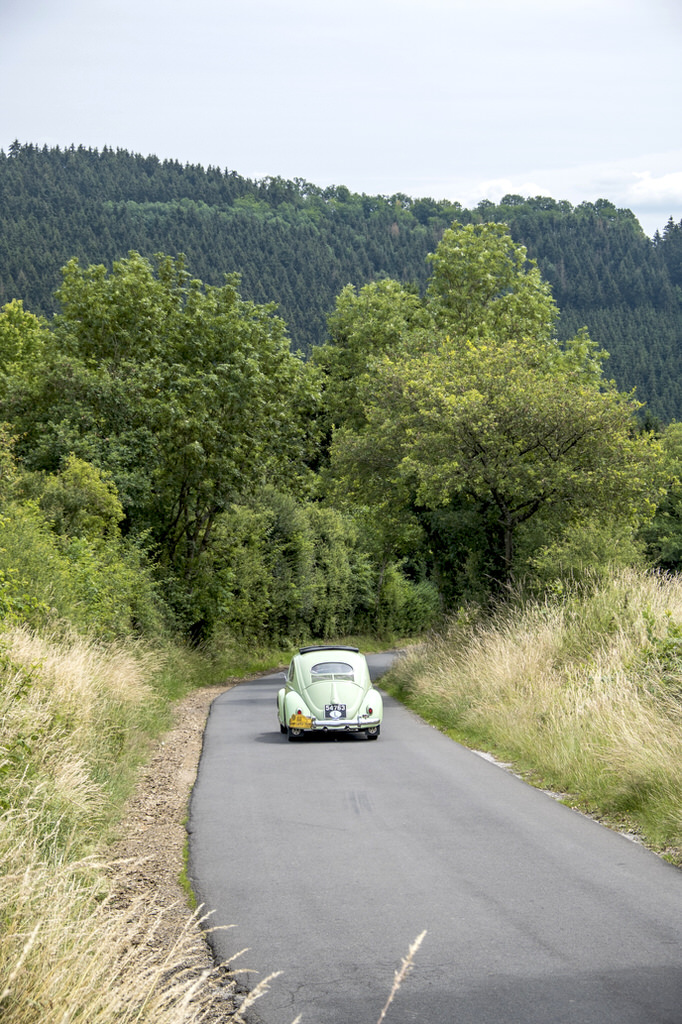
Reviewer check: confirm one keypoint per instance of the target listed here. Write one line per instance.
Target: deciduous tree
(488, 414)
(480, 421)
(187, 395)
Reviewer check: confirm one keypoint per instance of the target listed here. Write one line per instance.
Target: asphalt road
(330, 856)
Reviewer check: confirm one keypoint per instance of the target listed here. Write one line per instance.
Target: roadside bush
(283, 570)
(406, 608)
(585, 550)
(101, 586)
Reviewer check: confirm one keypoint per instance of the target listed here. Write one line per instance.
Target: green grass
(184, 879)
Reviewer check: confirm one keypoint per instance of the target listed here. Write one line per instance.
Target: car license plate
(300, 722)
(335, 711)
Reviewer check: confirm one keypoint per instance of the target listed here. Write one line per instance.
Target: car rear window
(327, 669)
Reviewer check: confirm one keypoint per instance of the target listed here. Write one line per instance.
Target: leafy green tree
(663, 535)
(508, 427)
(481, 421)
(483, 285)
(82, 501)
(22, 338)
(62, 559)
(290, 569)
(365, 324)
(187, 395)
(585, 550)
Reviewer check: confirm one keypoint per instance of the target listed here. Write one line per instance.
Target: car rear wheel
(282, 728)
(294, 734)
(373, 733)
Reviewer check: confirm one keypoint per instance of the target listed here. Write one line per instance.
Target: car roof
(310, 656)
(326, 647)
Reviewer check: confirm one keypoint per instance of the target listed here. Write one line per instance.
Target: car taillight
(370, 711)
(299, 712)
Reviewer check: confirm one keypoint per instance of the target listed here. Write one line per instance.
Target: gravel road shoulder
(148, 855)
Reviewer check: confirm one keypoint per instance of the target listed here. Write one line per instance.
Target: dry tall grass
(65, 954)
(70, 715)
(584, 691)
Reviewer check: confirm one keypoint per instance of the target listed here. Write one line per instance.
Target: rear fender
(292, 703)
(375, 702)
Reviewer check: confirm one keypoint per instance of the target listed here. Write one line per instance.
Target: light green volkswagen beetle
(328, 689)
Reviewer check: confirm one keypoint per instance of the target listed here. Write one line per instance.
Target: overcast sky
(453, 99)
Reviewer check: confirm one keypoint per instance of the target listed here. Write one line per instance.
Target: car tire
(282, 728)
(294, 735)
(373, 734)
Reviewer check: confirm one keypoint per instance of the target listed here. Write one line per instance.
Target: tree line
(298, 245)
(170, 464)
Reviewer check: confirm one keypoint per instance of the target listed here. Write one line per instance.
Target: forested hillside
(291, 242)
(298, 245)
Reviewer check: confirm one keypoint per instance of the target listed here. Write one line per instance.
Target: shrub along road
(330, 856)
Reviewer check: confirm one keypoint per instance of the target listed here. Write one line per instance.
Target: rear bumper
(345, 724)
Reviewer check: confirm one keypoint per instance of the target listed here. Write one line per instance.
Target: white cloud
(652, 190)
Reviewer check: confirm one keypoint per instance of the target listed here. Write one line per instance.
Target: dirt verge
(148, 857)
